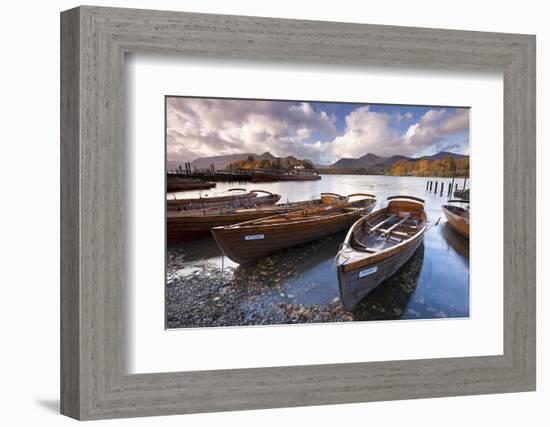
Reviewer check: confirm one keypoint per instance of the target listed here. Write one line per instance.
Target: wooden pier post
(450, 189)
(427, 185)
(442, 185)
(465, 177)
(431, 182)
(435, 191)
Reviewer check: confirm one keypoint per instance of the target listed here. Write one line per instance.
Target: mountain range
(372, 161)
(221, 162)
(369, 161)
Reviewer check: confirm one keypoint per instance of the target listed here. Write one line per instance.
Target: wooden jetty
(243, 175)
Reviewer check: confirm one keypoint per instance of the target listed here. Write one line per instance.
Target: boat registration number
(368, 271)
(254, 237)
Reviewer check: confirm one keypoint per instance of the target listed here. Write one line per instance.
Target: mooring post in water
(427, 185)
(431, 182)
(442, 185)
(449, 190)
(435, 191)
(451, 184)
(465, 176)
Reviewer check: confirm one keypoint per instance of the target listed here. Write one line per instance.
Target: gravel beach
(275, 290)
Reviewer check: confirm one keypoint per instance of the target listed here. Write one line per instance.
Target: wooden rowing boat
(254, 239)
(459, 218)
(273, 176)
(243, 200)
(174, 184)
(188, 224)
(377, 245)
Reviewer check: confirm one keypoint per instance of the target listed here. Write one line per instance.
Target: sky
(320, 131)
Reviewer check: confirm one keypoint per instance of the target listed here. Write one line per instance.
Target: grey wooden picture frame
(94, 42)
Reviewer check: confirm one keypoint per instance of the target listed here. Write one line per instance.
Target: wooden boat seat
(361, 246)
(394, 226)
(377, 226)
(400, 234)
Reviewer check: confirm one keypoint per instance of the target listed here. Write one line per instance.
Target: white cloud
(208, 127)
(368, 131)
(434, 127)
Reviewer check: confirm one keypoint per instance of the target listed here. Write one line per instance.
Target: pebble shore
(198, 295)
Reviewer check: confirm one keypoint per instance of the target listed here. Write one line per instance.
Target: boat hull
(261, 177)
(360, 269)
(356, 282)
(190, 224)
(175, 187)
(246, 242)
(234, 201)
(181, 229)
(245, 245)
(458, 223)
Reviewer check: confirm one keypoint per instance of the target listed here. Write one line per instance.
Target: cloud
(366, 131)
(434, 129)
(369, 131)
(208, 127)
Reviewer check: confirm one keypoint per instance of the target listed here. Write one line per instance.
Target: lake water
(434, 283)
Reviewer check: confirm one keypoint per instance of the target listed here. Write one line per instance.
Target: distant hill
(371, 160)
(372, 164)
(268, 161)
(219, 162)
(222, 162)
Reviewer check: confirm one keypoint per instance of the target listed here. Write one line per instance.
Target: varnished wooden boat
(189, 224)
(254, 239)
(242, 200)
(459, 218)
(174, 184)
(272, 176)
(462, 194)
(377, 245)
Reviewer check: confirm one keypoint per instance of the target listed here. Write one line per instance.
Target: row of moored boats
(250, 225)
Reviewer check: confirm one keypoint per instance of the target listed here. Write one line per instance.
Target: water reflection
(433, 283)
(391, 299)
(301, 275)
(457, 242)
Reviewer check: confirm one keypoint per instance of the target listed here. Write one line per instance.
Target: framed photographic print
(309, 235)
(261, 213)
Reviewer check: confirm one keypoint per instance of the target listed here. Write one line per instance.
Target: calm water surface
(434, 283)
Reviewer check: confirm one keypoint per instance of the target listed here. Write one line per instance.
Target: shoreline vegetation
(444, 168)
(441, 165)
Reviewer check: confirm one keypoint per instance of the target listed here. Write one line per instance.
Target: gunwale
(224, 200)
(299, 216)
(274, 233)
(374, 257)
(186, 224)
